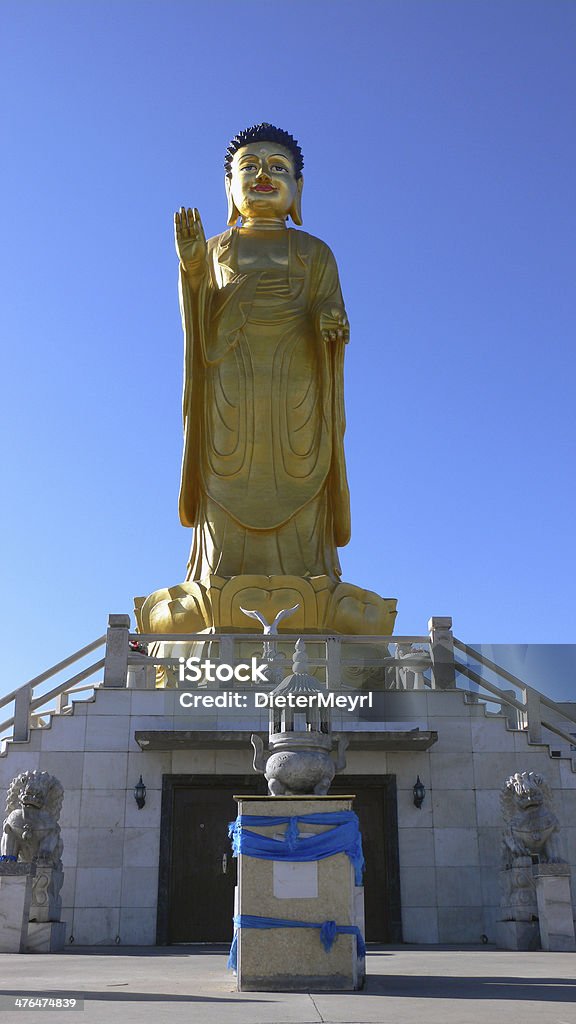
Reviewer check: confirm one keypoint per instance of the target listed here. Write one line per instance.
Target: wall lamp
(140, 793)
(419, 792)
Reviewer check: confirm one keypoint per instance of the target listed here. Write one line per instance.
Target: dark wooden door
(375, 805)
(197, 870)
(198, 873)
(203, 870)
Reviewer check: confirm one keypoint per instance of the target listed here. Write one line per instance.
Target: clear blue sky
(440, 163)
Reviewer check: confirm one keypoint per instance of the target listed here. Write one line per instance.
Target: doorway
(198, 873)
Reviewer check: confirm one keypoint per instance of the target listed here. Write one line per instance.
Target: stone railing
(381, 663)
(30, 707)
(386, 662)
(524, 705)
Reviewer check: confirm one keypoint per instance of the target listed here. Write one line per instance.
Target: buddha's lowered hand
(333, 324)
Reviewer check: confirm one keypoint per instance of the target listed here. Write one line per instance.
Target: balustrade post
(333, 662)
(22, 702)
(226, 655)
(512, 713)
(442, 652)
(533, 715)
(62, 702)
(117, 650)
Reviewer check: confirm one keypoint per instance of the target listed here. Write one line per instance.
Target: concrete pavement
(405, 985)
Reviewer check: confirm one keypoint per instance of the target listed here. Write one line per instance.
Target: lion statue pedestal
(535, 878)
(31, 848)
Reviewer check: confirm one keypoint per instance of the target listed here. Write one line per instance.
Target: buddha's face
(263, 182)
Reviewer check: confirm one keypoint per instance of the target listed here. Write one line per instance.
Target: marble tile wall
(449, 849)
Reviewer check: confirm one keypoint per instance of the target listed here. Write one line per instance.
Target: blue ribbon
(344, 837)
(328, 932)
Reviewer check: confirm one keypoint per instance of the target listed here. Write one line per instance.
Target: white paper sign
(292, 881)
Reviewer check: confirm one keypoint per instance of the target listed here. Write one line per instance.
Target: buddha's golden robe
(263, 472)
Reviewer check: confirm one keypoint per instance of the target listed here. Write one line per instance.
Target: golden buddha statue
(263, 473)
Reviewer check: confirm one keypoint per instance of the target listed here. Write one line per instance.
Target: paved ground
(405, 985)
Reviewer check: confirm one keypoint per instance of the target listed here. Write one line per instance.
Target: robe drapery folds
(263, 472)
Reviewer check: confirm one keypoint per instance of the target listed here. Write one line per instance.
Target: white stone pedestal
(294, 959)
(46, 904)
(15, 898)
(517, 935)
(555, 907)
(46, 936)
(518, 927)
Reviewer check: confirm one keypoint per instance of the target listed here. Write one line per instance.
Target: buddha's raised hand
(190, 240)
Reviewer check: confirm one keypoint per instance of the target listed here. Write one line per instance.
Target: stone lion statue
(531, 827)
(31, 831)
